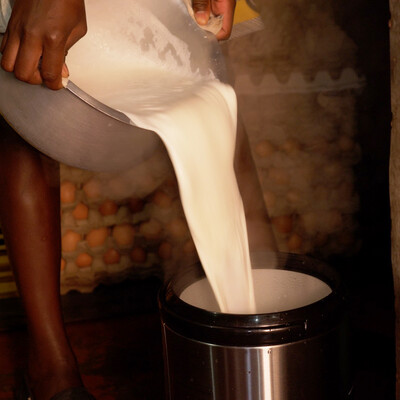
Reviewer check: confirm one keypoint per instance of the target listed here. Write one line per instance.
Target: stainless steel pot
(297, 354)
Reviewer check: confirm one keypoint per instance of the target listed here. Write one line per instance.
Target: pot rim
(253, 329)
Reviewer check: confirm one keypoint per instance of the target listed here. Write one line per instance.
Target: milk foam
(275, 290)
(195, 116)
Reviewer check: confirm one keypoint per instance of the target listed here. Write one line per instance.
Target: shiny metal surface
(45, 119)
(111, 112)
(311, 369)
(299, 354)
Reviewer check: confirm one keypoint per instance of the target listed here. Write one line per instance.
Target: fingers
(52, 63)
(26, 66)
(227, 9)
(202, 9)
(13, 60)
(35, 62)
(9, 50)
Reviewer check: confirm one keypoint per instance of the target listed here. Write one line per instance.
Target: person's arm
(38, 37)
(226, 8)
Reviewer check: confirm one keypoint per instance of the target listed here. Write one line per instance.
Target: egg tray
(305, 150)
(153, 221)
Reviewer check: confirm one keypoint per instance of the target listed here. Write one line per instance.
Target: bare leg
(30, 218)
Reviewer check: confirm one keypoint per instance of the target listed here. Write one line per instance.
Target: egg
(333, 170)
(293, 196)
(346, 143)
(84, 260)
(92, 189)
(138, 255)
(311, 222)
(135, 204)
(178, 228)
(80, 212)
(278, 176)
(70, 240)
(189, 247)
(123, 234)
(269, 199)
(294, 242)
(150, 229)
(291, 146)
(333, 221)
(162, 199)
(111, 256)
(165, 251)
(264, 148)
(108, 207)
(321, 239)
(283, 223)
(67, 192)
(97, 236)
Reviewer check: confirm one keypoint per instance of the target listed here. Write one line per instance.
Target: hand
(38, 37)
(225, 8)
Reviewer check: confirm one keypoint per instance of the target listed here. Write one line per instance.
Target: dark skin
(34, 48)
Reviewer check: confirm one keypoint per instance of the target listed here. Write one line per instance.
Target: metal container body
(311, 369)
(295, 355)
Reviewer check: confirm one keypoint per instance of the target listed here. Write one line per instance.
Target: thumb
(201, 10)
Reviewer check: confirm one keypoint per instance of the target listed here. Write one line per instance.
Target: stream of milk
(196, 119)
(197, 123)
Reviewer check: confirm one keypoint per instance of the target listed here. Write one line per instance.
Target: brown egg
(291, 146)
(84, 260)
(189, 247)
(67, 192)
(63, 264)
(92, 189)
(138, 255)
(321, 239)
(283, 223)
(111, 256)
(279, 176)
(165, 251)
(294, 242)
(96, 237)
(178, 228)
(346, 143)
(81, 212)
(293, 196)
(124, 234)
(264, 148)
(269, 199)
(135, 204)
(162, 199)
(150, 229)
(70, 240)
(108, 207)
(333, 170)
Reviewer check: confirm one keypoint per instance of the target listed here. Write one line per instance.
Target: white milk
(197, 123)
(275, 290)
(196, 119)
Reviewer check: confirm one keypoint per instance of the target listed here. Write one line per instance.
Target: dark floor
(120, 354)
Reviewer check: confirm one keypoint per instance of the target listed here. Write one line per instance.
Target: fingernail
(201, 17)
